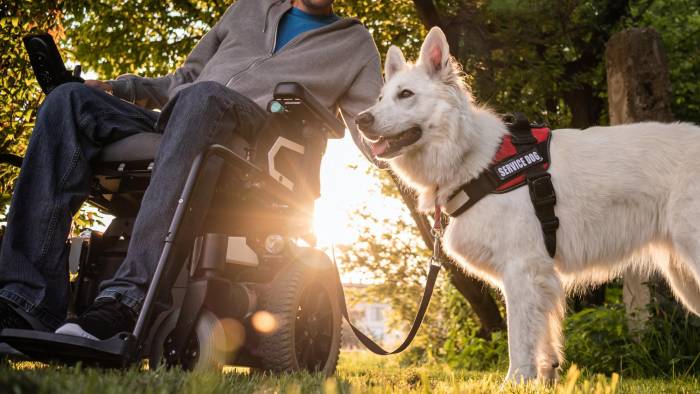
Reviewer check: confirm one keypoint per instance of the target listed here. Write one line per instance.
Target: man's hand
(101, 85)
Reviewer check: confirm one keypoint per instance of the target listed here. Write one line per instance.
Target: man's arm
(362, 94)
(153, 93)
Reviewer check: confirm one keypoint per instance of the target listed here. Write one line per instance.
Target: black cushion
(138, 147)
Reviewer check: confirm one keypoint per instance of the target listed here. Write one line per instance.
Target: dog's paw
(548, 372)
(522, 374)
(549, 376)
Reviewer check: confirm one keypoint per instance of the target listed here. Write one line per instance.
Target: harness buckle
(541, 189)
(520, 130)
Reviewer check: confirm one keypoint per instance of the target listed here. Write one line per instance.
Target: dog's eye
(405, 94)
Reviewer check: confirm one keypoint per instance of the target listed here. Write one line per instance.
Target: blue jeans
(73, 124)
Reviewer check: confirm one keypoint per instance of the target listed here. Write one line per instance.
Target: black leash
(433, 271)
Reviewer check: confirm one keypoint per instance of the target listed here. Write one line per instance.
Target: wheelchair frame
(292, 103)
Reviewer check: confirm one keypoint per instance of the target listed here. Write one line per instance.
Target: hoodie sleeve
(153, 93)
(361, 95)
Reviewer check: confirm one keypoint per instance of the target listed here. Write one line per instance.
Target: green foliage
(678, 23)
(546, 58)
(113, 37)
(540, 57)
(390, 22)
(597, 339)
(667, 345)
(462, 348)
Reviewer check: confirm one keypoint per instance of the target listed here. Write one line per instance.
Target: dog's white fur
(622, 192)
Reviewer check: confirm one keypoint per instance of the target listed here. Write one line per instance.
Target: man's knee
(63, 93)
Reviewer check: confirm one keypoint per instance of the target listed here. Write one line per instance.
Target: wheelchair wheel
(304, 302)
(202, 352)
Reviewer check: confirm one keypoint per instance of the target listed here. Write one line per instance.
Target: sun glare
(345, 188)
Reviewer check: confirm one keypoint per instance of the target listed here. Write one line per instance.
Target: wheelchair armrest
(292, 94)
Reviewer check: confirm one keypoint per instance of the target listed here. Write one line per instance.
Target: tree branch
(428, 13)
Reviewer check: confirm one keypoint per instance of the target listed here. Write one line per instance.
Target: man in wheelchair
(215, 97)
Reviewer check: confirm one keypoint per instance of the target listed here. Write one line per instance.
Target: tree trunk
(639, 90)
(585, 107)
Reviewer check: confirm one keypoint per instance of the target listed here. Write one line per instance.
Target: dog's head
(419, 108)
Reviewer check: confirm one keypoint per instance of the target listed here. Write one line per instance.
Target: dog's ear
(435, 52)
(394, 63)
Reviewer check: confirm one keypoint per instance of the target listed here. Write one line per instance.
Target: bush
(462, 348)
(597, 339)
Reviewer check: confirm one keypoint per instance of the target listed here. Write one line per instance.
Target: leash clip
(436, 232)
(435, 259)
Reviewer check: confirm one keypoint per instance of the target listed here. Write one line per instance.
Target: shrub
(597, 339)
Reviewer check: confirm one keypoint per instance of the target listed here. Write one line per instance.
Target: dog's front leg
(533, 294)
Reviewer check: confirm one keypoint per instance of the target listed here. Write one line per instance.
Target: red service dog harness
(522, 158)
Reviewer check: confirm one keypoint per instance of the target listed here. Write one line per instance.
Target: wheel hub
(313, 328)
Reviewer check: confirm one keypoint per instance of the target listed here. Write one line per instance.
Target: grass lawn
(358, 372)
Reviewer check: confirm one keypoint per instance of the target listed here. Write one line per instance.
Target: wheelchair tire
(202, 352)
(304, 301)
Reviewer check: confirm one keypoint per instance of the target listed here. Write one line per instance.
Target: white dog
(622, 191)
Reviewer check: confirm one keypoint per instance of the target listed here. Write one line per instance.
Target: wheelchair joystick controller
(47, 64)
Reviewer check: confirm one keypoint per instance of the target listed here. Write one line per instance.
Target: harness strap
(539, 183)
(503, 177)
(543, 200)
(473, 191)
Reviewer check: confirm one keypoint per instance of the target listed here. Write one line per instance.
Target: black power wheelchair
(238, 281)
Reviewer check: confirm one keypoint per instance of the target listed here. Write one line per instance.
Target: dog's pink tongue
(379, 147)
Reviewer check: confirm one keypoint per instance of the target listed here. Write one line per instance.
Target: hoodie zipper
(235, 76)
(272, 53)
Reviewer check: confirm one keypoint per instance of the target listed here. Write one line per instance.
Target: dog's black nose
(364, 120)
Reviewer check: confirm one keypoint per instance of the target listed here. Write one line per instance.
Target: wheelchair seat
(137, 147)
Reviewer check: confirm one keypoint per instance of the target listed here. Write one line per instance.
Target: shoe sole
(7, 351)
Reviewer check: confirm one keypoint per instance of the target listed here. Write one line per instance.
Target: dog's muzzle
(387, 147)
(364, 121)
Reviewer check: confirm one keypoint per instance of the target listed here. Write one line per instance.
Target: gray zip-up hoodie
(339, 63)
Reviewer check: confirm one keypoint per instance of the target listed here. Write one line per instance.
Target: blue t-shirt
(296, 21)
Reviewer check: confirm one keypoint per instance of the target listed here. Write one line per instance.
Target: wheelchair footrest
(115, 352)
